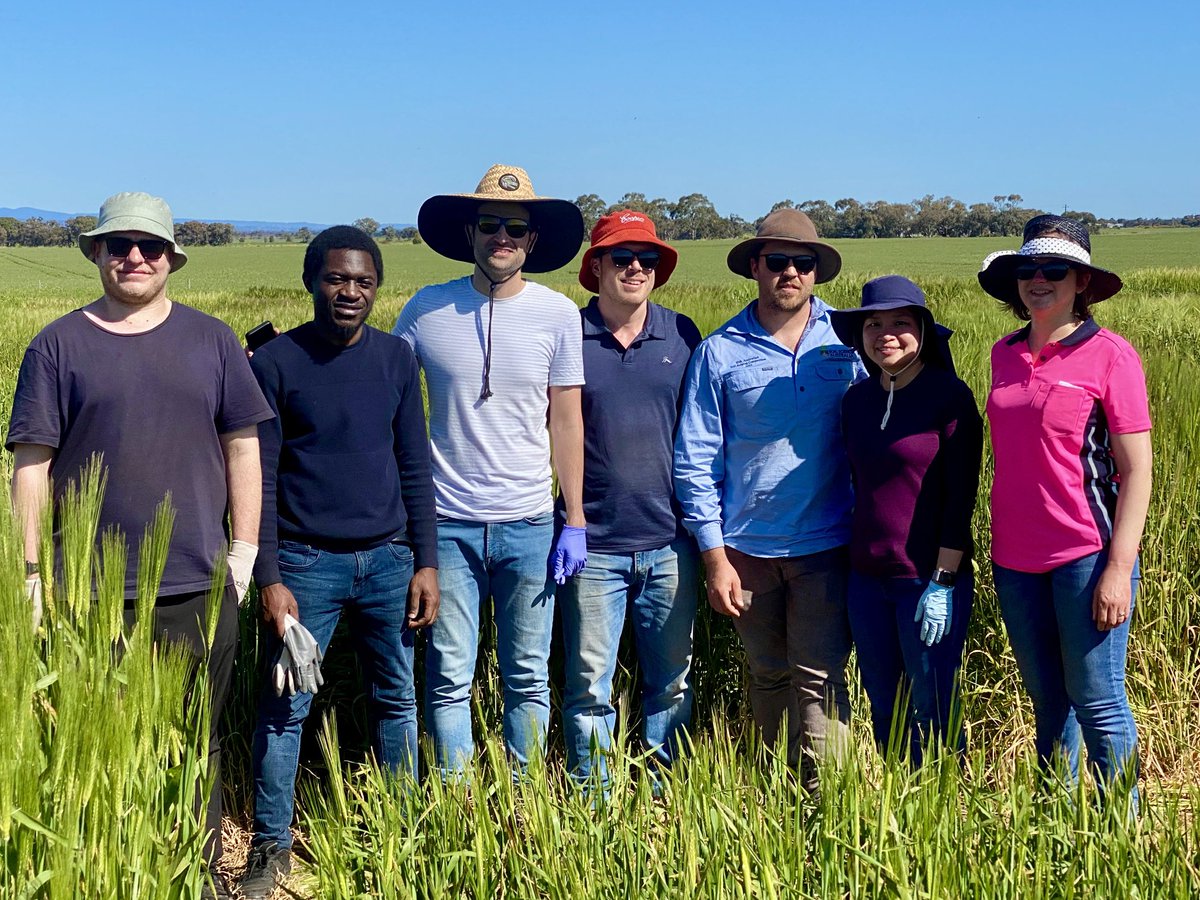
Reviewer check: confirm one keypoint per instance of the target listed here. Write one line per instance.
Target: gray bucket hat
(135, 211)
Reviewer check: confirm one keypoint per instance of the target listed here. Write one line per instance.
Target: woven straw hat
(559, 223)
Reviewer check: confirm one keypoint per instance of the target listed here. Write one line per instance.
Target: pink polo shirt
(1055, 490)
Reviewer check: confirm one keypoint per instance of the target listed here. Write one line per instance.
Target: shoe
(268, 864)
(215, 887)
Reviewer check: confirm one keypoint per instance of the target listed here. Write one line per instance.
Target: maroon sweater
(916, 481)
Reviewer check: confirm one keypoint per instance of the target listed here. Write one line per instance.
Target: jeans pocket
(297, 557)
(546, 518)
(400, 551)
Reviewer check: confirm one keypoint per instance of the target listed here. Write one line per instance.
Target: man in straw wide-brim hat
(165, 393)
(764, 482)
(502, 357)
(635, 356)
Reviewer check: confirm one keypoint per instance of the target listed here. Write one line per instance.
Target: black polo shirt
(630, 406)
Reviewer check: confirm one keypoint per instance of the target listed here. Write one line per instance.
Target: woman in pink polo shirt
(1071, 434)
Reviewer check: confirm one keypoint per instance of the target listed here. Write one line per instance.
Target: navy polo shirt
(630, 406)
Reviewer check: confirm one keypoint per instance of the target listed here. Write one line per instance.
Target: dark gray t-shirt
(154, 405)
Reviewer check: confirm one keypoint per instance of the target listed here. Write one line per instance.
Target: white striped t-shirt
(491, 458)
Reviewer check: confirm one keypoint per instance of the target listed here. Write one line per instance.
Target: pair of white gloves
(298, 666)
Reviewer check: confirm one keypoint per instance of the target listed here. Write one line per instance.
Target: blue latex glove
(570, 553)
(934, 613)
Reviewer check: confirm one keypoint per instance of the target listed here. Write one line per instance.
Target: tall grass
(104, 748)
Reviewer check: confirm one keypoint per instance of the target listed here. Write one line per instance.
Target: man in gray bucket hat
(764, 483)
(166, 395)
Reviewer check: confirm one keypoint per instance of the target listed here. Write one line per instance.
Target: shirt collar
(747, 321)
(1086, 329)
(593, 322)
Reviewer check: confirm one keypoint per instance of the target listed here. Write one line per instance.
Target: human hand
(1112, 599)
(723, 584)
(424, 598)
(277, 603)
(570, 553)
(241, 567)
(934, 612)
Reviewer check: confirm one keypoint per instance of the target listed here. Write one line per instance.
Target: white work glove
(241, 567)
(33, 593)
(298, 668)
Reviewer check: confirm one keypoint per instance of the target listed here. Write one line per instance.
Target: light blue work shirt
(759, 460)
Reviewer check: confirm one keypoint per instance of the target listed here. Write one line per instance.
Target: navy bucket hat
(893, 292)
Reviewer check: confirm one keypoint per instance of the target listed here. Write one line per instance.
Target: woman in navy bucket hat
(914, 438)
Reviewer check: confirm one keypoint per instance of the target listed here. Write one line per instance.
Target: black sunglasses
(1052, 271)
(516, 228)
(150, 248)
(623, 258)
(777, 262)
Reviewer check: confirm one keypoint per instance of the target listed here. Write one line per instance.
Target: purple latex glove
(570, 553)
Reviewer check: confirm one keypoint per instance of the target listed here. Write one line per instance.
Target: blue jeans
(371, 587)
(895, 663)
(659, 586)
(1075, 673)
(509, 562)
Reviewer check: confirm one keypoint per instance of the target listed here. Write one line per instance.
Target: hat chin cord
(887, 413)
(486, 391)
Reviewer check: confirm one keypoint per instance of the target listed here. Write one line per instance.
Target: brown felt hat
(559, 223)
(789, 225)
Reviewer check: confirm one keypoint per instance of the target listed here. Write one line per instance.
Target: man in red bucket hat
(635, 356)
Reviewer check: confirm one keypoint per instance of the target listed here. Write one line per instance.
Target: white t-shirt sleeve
(566, 365)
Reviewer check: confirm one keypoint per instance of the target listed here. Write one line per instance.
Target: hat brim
(848, 326)
(87, 240)
(442, 221)
(829, 261)
(1000, 277)
(668, 258)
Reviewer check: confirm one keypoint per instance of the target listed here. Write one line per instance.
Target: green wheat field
(99, 750)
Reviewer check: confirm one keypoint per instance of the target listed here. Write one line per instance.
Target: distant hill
(28, 212)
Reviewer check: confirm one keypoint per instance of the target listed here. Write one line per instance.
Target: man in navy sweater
(348, 522)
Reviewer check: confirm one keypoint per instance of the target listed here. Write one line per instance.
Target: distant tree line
(691, 217)
(37, 232)
(694, 216)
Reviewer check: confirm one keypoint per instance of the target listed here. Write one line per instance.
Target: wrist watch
(31, 569)
(944, 577)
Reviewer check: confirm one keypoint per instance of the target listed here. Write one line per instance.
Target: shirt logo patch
(666, 360)
(846, 353)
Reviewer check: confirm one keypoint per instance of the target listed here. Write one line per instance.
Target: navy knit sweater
(346, 459)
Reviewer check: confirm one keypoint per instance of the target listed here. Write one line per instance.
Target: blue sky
(330, 111)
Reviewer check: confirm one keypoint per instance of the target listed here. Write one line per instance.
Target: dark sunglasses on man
(516, 228)
(778, 262)
(623, 258)
(150, 248)
(1051, 271)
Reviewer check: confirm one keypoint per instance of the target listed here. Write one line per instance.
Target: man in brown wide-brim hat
(765, 485)
(502, 358)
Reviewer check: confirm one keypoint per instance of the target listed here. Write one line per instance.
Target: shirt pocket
(760, 403)
(1064, 409)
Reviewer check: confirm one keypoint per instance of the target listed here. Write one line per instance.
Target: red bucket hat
(626, 226)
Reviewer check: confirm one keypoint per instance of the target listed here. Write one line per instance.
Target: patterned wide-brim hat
(442, 220)
(998, 273)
